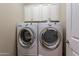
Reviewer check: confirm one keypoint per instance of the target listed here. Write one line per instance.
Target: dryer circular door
(26, 37)
(50, 38)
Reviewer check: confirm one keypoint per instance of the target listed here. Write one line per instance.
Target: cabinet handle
(67, 41)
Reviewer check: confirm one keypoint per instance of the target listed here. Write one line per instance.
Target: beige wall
(63, 13)
(10, 14)
(63, 19)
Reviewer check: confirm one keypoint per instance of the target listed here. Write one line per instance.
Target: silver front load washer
(27, 39)
(50, 39)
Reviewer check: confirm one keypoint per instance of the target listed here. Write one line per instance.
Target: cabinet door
(27, 12)
(54, 11)
(75, 20)
(36, 12)
(70, 52)
(44, 12)
(73, 27)
(74, 23)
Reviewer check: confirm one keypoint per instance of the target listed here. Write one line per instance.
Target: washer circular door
(50, 38)
(26, 37)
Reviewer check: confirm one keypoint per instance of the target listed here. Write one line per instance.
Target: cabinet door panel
(27, 13)
(74, 39)
(74, 44)
(75, 20)
(45, 12)
(54, 11)
(73, 27)
(36, 13)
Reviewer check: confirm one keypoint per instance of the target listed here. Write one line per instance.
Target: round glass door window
(26, 37)
(50, 38)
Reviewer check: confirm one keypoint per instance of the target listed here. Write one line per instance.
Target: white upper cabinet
(27, 12)
(44, 12)
(36, 12)
(41, 12)
(54, 12)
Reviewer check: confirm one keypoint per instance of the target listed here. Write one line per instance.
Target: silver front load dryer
(27, 39)
(50, 39)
